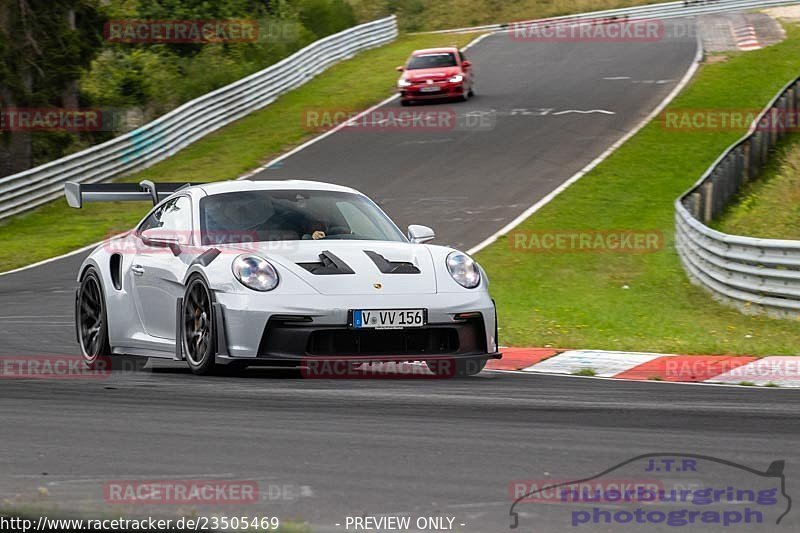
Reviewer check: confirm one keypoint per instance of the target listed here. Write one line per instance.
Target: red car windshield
(432, 61)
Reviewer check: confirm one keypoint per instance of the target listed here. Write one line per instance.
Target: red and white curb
(780, 371)
(746, 37)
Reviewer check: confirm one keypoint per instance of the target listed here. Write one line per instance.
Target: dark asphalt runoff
(321, 450)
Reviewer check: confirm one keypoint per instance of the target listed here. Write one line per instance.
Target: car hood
(431, 73)
(363, 258)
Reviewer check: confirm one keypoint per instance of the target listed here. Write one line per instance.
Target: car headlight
(255, 272)
(458, 78)
(402, 82)
(463, 269)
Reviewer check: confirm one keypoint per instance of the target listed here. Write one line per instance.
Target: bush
(324, 17)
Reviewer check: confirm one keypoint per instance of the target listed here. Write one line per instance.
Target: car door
(160, 265)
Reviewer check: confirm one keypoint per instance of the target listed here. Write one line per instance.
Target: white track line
(602, 157)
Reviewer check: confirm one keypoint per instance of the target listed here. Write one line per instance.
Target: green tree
(44, 46)
(324, 17)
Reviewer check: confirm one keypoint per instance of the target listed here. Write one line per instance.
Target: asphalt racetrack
(325, 450)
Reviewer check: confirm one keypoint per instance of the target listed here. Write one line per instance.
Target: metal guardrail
(171, 132)
(661, 11)
(756, 275)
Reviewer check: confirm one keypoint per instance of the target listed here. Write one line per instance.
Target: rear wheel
(90, 314)
(198, 327)
(456, 368)
(92, 322)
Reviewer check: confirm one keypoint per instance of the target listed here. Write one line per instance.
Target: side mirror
(419, 234)
(466, 64)
(157, 238)
(400, 69)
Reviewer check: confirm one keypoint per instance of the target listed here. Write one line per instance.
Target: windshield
(431, 61)
(290, 215)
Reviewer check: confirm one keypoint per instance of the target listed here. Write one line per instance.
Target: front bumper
(446, 90)
(254, 330)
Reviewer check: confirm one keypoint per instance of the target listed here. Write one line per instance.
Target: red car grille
(425, 82)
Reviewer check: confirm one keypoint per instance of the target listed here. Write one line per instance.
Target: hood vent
(391, 267)
(328, 265)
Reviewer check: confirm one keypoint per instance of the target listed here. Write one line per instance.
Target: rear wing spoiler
(77, 193)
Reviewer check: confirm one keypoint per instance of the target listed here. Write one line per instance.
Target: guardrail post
(739, 168)
(773, 126)
(708, 196)
(797, 95)
(694, 204)
(746, 162)
(755, 154)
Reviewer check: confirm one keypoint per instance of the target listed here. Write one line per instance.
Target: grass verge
(769, 207)
(641, 302)
(352, 85)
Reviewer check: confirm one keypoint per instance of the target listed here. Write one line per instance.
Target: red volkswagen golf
(435, 73)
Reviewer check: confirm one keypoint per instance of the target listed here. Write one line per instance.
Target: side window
(174, 217)
(461, 55)
(152, 221)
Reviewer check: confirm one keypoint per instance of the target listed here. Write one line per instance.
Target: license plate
(389, 318)
(430, 89)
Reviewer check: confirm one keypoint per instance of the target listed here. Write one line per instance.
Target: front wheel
(456, 368)
(198, 327)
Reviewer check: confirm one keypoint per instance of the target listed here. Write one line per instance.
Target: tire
(92, 326)
(405, 103)
(91, 320)
(198, 333)
(456, 368)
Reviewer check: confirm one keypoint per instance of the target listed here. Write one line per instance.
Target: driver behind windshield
(285, 215)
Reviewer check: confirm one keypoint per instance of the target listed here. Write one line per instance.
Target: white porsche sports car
(276, 273)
